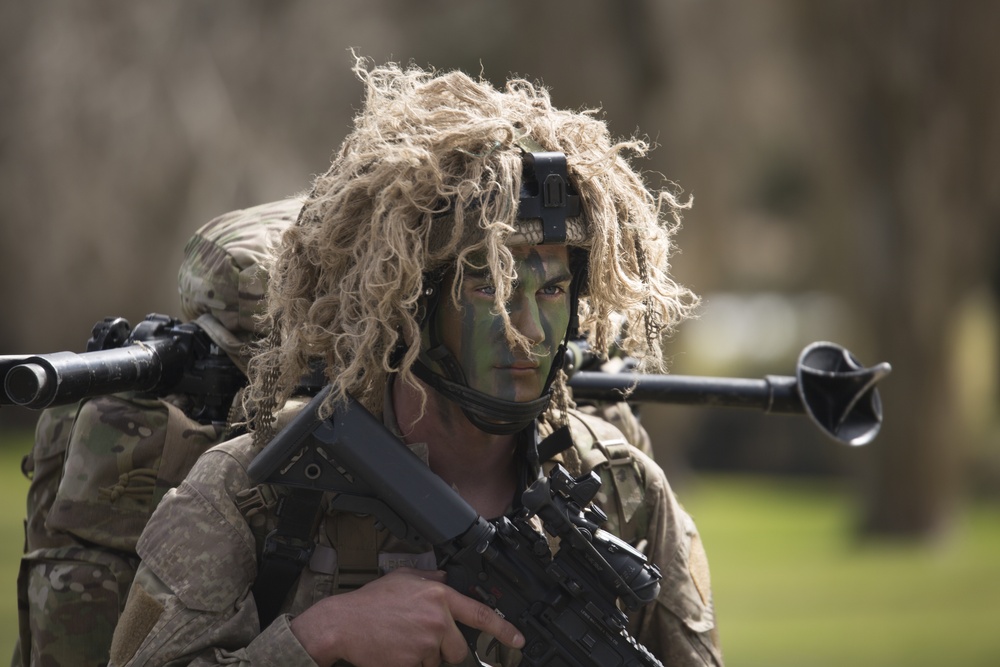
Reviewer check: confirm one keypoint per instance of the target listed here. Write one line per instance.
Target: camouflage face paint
(539, 310)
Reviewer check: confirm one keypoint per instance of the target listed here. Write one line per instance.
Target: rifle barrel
(7, 362)
(66, 377)
(773, 393)
(830, 386)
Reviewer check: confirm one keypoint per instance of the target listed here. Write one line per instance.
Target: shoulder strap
(287, 550)
(602, 448)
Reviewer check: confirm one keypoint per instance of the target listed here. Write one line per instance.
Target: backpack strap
(287, 550)
(292, 545)
(357, 548)
(601, 447)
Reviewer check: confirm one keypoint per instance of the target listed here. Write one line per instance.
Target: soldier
(461, 234)
(98, 467)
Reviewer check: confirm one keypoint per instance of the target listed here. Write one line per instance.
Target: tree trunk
(911, 87)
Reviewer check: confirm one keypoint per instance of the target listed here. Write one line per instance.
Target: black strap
(556, 443)
(287, 550)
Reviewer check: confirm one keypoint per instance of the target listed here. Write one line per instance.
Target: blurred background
(843, 159)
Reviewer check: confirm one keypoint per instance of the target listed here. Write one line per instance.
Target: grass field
(13, 487)
(791, 587)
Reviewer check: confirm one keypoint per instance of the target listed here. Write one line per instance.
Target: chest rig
(302, 542)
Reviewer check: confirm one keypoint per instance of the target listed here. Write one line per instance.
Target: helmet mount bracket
(546, 191)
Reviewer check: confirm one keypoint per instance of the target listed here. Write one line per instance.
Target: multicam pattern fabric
(123, 455)
(72, 598)
(98, 469)
(192, 601)
(222, 274)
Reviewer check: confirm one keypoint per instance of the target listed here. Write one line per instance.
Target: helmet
(222, 279)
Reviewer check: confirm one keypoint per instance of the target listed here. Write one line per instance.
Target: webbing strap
(625, 477)
(287, 550)
(613, 457)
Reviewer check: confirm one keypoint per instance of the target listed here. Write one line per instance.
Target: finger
(477, 615)
(453, 646)
(434, 575)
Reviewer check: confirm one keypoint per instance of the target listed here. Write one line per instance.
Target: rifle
(830, 385)
(160, 356)
(564, 605)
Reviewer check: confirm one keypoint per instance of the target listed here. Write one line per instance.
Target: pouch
(123, 455)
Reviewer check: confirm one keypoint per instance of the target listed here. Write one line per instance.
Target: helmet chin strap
(487, 413)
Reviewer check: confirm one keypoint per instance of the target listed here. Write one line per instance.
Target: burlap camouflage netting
(346, 285)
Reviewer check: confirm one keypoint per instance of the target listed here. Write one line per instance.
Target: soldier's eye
(552, 290)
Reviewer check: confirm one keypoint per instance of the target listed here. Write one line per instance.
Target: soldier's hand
(407, 617)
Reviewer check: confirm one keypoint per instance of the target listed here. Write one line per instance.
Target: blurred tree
(907, 95)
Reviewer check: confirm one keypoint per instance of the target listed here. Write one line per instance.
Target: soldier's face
(539, 310)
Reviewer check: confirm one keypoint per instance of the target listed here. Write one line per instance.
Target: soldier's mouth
(519, 366)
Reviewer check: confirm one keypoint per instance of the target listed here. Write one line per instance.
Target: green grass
(792, 588)
(13, 491)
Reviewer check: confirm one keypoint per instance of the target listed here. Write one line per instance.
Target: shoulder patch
(141, 613)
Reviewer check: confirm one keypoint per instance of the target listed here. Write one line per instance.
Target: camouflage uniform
(100, 467)
(192, 601)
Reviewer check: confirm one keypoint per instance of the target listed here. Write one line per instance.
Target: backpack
(99, 467)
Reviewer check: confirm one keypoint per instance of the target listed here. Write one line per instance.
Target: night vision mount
(546, 191)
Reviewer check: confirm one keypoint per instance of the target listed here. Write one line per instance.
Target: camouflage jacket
(192, 602)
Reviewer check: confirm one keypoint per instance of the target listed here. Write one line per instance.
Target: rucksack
(99, 467)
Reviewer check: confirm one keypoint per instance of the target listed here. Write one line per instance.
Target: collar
(390, 422)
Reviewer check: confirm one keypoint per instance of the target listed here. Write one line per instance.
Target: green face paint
(539, 310)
